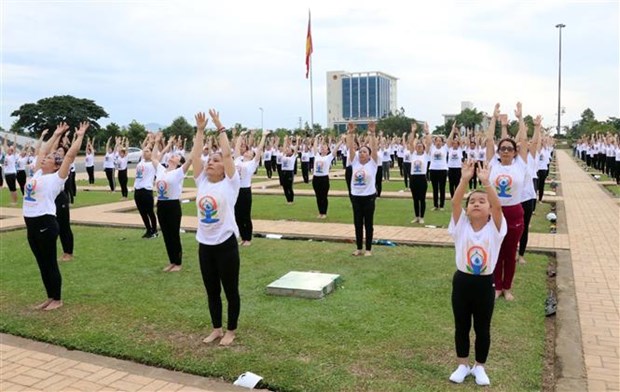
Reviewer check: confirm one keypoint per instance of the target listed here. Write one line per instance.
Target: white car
(134, 154)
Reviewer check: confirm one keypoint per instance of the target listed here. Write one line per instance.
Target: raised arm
(229, 164)
(351, 141)
(496, 207)
(535, 144)
(374, 144)
(427, 138)
(491, 134)
(522, 134)
(63, 172)
(467, 172)
(261, 146)
(201, 124)
(453, 131)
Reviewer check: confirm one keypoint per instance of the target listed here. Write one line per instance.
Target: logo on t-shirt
(476, 260)
(437, 156)
(162, 190)
(30, 190)
(503, 185)
(454, 156)
(139, 172)
(359, 178)
(208, 209)
(417, 166)
(319, 167)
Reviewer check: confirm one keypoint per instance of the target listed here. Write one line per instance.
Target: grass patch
(613, 189)
(388, 327)
(82, 199)
(389, 212)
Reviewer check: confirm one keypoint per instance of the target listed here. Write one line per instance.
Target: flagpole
(311, 100)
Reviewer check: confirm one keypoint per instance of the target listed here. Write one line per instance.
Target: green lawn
(82, 198)
(391, 212)
(388, 327)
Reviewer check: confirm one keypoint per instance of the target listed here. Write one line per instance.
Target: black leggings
(305, 169)
(144, 202)
(91, 174)
(528, 208)
(243, 213)
(320, 184)
(109, 173)
(419, 185)
(1, 177)
(438, 181)
(363, 215)
(122, 181)
(378, 180)
(64, 222)
(454, 177)
(406, 173)
(219, 266)
(169, 215)
(268, 168)
(21, 179)
(472, 296)
(42, 234)
(542, 176)
(10, 181)
(286, 179)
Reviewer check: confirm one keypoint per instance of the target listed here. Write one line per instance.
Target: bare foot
(66, 257)
(168, 267)
(498, 293)
(53, 305)
(357, 253)
(246, 243)
(44, 304)
(175, 268)
(521, 260)
(368, 253)
(508, 295)
(216, 334)
(228, 338)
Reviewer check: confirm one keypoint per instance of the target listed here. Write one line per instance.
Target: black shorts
(10, 181)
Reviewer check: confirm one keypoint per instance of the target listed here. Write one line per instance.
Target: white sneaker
(481, 375)
(421, 221)
(458, 376)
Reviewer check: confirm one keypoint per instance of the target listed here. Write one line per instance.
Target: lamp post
(261, 119)
(560, 26)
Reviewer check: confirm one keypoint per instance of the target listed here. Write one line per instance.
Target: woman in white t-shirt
(363, 191)
(246, 163)
(169, 186)
(508, 176)
(51, 172)
(417, 175)
(143, 191)
(320, 178)
(10, 170)
(108, 164)
(218, 251)
(438, 171)
(120, 162)
(478, 232)
(287, 178)
(89, 160)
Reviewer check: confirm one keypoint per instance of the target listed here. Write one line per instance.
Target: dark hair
(509, 140)
(369, 149)
(182, 160)
(474, 192)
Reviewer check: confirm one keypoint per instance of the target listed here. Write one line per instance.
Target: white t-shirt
(10, 164)
(288, 163)
(482, 154)
(508, 180)
(384, 154)
(22, 162)
(121, 162)
(145, 175)
(472, 153)
(305, 156)
(89, 160)
(529, 192)
(476, 251)
(40, 193)
(543, 159)
(169, 184)
(108, 160)
(455, 158)
(215, 203)
(407, 155)
(363, 178)
(246, 170)
(322, 164)
(419, 163)
(438, 158)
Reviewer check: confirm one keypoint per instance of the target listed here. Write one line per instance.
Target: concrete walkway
(592, 240)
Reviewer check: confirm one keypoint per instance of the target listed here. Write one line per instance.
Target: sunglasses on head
(506, 149)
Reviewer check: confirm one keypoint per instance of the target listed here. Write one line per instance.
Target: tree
(395, 124)
(468, 118)
(48, 112)
(135, 133)
(181, 128)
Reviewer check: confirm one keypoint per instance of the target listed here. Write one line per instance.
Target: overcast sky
(155, 60)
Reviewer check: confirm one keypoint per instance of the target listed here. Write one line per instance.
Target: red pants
(505, 269)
